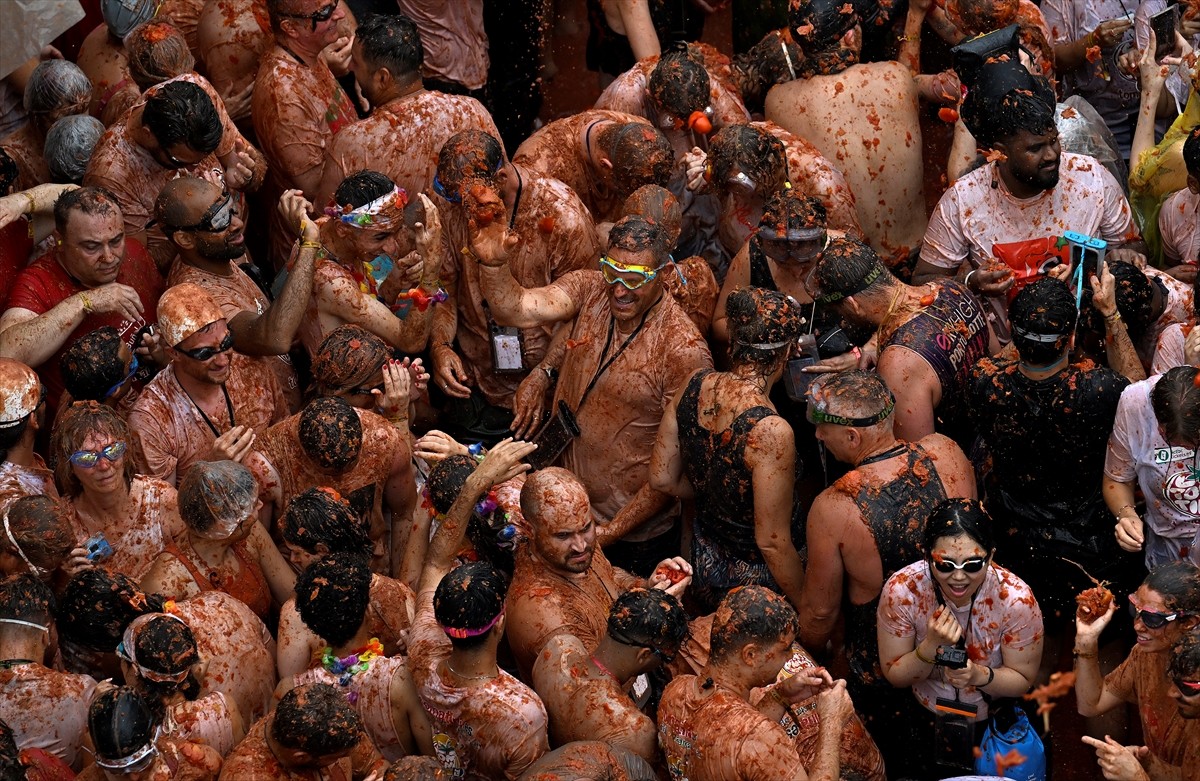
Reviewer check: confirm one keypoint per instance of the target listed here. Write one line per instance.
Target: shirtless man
(369, 226)
(409, 124)
(929, 336)
(46, 708)
(206, 228)
(677, 94)
(232, 38)
(587, 693)
(562, 582)
(102, 57)
(333, 597)
(355, 452)
(747, 164)
(557, 236)
(298, 106)
(707, 727)
(486, 723)
(312, 731)
(1031, 191)
(863, 118)
(869, 524)
(177, 128)
(626, 378)
(210, 402)
(602, 155)
(455, 42)
(93, 277)
(22, 416)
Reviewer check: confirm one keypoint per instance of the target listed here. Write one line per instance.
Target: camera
(98, 549)
(951, 656)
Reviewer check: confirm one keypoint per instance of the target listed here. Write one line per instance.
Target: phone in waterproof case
(1087, 252)
(796, 381)
(954, 734)
(1164, 24)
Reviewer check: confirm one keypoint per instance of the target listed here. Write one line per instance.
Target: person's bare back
(865, 120)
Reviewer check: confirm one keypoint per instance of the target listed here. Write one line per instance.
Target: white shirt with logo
(1169, 475)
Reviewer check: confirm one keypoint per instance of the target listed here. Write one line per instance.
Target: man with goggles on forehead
(176, 129)
(208, 230)
(22, 416)
(634, 347)
(46, 709)
(868, 524)
(211, 401)
(298, 106)
(495, 378)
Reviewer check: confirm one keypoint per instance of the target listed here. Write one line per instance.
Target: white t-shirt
(1179, 226)
(1165, 473)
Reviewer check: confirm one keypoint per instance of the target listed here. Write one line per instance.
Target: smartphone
(98, 548)
(796, 381)
(1164, 24)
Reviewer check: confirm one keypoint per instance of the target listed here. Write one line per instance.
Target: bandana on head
(384, 213)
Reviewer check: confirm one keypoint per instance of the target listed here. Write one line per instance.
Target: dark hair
(391, 41)
(318, 516)
(26, 598)
(1044, 307)
(85, 200)
(120, 722)
(758, 154)
(8, 172)
(648, 617)
(958, 517)
(1191, 153)
(850, 268)
(348, 357)
(818, 27)
(317, 719)
(11, 768)
(1175, 400)
(416, 768)
(1005, 100)
(750, 614)
(1184, 661)
(640, 154)
(470, 154)
(634, 233)
(72, 428)
(332, 596)
(180, 112)
(165, 645)
(759, 318)
(1135, 296)
(362, 187)
(92, 364)
(1178, 582)
(469, 597)
(787, 210)
(446, 480)
(98, 604)
(766, 65)
(679, 84)
(331, 432)
(39, 526)
(11, 434)
(658, 206)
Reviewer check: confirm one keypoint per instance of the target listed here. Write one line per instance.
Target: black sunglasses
(217, 218)
(1151, 619)
(207, 353)
(318, 16)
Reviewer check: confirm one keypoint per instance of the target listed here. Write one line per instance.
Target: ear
(185, 239)
(645, 659)
(1187, 622)
(322, 549)
(749, 654)
(1193, 184)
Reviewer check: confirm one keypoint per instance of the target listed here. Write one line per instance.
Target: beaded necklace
(346, 667)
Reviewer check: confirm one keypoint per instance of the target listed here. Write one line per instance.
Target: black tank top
(895, 513)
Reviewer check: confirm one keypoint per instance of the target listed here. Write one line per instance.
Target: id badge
(506, 351)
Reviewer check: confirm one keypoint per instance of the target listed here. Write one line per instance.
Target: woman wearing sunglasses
(722, 441)
(1164, 607)
(126, 518)
(955, 600)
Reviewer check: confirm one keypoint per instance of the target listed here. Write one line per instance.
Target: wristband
(967, 279)
(87, 303)
(551, 372)
(1076, 653)
(921, 656)
(310, 245)
(991, 677)
(856, 351)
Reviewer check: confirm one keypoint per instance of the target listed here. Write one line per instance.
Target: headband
(128, 643)
(766, 345)
(462, 634)
(35, 569)
(132, 759)
(19, 622)
(383, 213)
(787, 56)
(862, 285)
(817, 415)
(1034, 336)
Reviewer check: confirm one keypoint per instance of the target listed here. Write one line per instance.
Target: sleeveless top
(895, 514)
(951, 335)
(249, 586)
(725, 553)
(370, 694)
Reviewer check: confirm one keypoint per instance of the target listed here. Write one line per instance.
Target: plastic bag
(997, 747)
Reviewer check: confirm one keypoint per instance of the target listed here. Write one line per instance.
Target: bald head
(556, 505)
(551, 493)
(184, 201)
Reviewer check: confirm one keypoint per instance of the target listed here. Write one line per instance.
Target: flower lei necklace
(346, 667)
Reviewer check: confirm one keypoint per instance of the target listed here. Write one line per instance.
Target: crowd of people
(357, 423)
